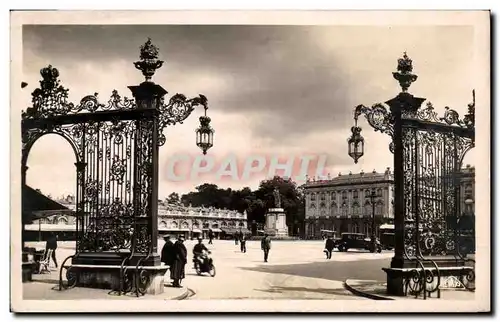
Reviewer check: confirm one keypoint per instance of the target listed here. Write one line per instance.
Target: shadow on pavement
(281, 289)
(333, 270)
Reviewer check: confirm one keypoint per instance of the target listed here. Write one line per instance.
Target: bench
(418, 280)
(27, 270)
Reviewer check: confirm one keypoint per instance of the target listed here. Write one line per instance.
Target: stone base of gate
(108, 277)
(398, 274)
(116, 258)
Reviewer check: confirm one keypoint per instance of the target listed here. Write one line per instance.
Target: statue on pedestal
(277, 198)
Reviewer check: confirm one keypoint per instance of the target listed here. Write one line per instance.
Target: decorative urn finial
(149, 62)
(404, 75)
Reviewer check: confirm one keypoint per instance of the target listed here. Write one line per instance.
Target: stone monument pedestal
(276, 222)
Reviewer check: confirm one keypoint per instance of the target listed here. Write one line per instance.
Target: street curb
(353, 290)
(183, 296)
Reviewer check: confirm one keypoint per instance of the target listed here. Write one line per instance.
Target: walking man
(265, 245)
(177, 271)
(210, 236)
(329, 245)
(52, 244)
(243, 243)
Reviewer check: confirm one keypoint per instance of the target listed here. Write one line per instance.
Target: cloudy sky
(284, 91)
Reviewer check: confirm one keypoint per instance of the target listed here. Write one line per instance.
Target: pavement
(295, 270)
(376, 290)
(46, 287)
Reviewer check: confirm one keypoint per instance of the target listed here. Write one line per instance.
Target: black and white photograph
(250, 161)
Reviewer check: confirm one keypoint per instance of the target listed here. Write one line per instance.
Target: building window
(355, 194)
(355, 209)
(355, 228)
(367, 193)
(323, 196)
(175, 225)
(322, 205)
(368, 208)
(333, 209)
(344, 210)
(206, 225)
(313, 197)
(334, 196)
(379, 208)
(344, 194)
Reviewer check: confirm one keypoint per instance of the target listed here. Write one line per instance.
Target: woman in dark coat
(177, 271)
(167, 252)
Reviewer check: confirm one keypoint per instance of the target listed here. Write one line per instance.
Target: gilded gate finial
(149, 62)
(404, 75)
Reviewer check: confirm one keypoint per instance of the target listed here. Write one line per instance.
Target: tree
(255, 203)
(173, 198)
(292, 198)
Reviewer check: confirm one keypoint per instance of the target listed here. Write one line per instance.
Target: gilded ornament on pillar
(149, 62)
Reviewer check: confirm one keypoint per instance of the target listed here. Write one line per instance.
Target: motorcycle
(205, 264)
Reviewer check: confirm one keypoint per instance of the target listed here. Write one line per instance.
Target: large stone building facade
(198, 221)
(173, 219)
(343, 204)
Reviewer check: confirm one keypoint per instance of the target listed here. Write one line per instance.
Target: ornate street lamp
(356, 143)
(205, 133)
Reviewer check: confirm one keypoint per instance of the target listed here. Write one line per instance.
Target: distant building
(172, 219)
(342, 204)
(62, 222)
(197, 221)
(467, 190)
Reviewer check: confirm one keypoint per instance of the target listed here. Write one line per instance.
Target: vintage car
(387, 241)
(355, 241)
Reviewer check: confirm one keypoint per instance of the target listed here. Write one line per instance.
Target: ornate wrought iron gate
(428, 154)
(433, 150)
(116, 147)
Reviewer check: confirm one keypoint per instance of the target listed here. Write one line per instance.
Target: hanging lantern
(205, 134)
(356, 144)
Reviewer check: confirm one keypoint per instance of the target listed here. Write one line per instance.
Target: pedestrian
(167, 252)
(265, 245)
(329, 245)
(236, 237)
(177, 271)
(243, 243)
(51, 244)
(210, 236)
